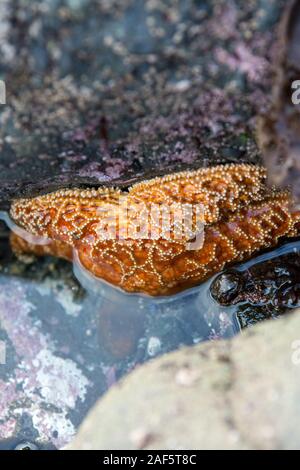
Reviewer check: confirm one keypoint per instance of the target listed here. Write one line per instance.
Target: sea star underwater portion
(240, 216)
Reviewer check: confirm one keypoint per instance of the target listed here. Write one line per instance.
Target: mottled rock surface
(279, 127)
(239, 394)
(107, 93)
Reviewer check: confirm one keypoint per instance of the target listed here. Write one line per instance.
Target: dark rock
(92, 99)
(262, 288)
(279, 127)
(226, 288)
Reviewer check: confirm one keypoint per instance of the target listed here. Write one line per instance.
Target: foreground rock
(239, 394)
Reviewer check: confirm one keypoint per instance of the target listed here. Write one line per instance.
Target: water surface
(70, 336)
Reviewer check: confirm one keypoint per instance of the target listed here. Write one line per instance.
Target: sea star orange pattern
(240, 214)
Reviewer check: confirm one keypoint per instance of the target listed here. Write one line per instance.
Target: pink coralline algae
(42, 384)
(244, 60)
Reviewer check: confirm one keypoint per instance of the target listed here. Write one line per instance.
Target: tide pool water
(70, 336)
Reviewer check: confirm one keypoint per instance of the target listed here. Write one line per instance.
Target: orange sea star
(240, 215)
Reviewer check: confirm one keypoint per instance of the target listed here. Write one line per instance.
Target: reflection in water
(185, 318)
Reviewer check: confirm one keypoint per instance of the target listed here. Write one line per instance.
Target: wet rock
(240, 394)
(279, 127)
(289, 296)
(264, 287)
(226, 288)
(94, 101)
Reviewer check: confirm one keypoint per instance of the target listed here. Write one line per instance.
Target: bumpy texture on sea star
(240, 215)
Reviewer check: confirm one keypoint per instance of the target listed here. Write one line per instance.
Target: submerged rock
(264, 287)
(239, 394)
